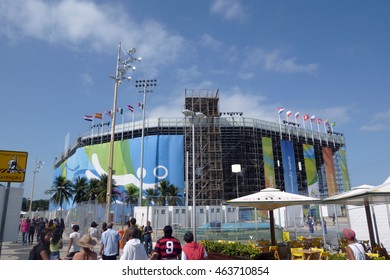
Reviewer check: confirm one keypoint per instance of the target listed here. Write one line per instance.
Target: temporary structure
(271, 199)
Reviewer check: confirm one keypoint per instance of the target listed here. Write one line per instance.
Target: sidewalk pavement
(16, 251)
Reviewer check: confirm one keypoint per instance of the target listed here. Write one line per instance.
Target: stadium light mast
(145, 84)
(124, 63)
(38, 166)
(193, 115)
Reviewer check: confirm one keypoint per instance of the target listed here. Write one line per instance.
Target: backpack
(33, 253)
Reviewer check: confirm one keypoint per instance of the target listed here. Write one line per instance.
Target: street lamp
(193, 115)
(38, 165)
(145, 84)
(123, 64)
(236, 168)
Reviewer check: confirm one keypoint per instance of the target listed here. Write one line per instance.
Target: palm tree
(162, 188)
(80, 189)
(174, 196)
(93, 190)
(131, 194)
(151, 195)
(169, 194)
(61, 191)
(103, 194)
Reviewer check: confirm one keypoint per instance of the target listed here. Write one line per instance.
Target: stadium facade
(280, 154)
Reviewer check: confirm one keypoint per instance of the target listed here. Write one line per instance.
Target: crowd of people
(134, 243)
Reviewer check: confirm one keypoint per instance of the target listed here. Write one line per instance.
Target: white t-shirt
(93, 232)
(74, 247)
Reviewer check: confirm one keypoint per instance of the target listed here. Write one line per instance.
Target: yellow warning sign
(12, 166)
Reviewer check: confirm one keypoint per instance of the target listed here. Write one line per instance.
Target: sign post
(12, 169)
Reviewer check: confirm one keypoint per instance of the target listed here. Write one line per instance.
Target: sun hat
(87, 241)
(349, 233)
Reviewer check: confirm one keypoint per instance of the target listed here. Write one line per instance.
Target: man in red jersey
(167, 247)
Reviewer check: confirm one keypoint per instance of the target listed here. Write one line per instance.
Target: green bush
(231, 249)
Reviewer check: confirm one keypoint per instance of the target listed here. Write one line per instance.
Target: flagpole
(123, 123)
(288, 126)
(102, 128)
(311, 128)
(297, 122)
(132, 131)
(318, 128)
(93, 125)
(304, 127)
(326, 132)
(280, 110)
(331, 129)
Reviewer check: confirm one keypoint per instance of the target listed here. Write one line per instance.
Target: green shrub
(231, 249)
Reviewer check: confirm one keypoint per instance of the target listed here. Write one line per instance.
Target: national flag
(326, 122)
(313, 118)
(88, 118)
(306, 117)
(319, 121)
(280, 110)
(140, 105)
(296, 115)
(131, 108)
(98, 115)
(288, 114)
(119, 110)
(108, 113)
(333, 124)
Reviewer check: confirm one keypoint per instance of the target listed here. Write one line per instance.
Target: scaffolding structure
(208, 148)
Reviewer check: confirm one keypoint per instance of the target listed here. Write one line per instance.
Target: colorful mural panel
(311, 170)
(163, 160)
(268, 158)
(289, 167)
(330, 173)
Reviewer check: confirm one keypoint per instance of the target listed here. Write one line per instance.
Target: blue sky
(328, 58)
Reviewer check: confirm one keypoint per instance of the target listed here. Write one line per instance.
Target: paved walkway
(16, 251)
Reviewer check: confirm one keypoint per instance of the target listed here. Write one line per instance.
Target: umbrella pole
(272, 227)
(370, 226)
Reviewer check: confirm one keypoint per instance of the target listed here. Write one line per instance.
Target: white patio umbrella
(359, 196)
(270, 199)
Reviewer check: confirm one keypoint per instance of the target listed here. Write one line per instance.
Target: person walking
(148, 244)
(24, 228)
(93, 231)
(55, 245)
(73, 247)
(40, 227)
(31, 231)
(132, 223)
(133, 249)
(110, 239)
(193, 250)
(354, 250)
(167, 247)
(86, 243)
(41, 251)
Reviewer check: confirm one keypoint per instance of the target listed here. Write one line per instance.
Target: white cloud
(228, 9)
(86, 26)
(276, 61)
(379, 122)
(87, 79)
(207, 41)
